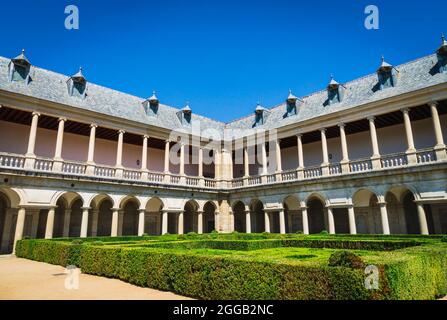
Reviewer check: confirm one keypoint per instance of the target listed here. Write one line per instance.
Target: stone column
(267, 221)
(90, 170)
(167, 150)
(282, 222)
(57, 163)
(384, 218)
(246, 163)
(331, 221)
(278, 158)
(115, 214)
(20, 224)
(422, 219)
(300, 169)
(144, 174)
(119, 154)
(264, 159)
(411, 150)
(200, 222)
(305, 220)
(182, 164)
(325, 164)
(84, 222)
(351, 216)
(247, 221)
(67, 216)
(164, 222)
(344, 149)
(180, 222)
(30, 155)
(440, 148)
(141, 218)
(50, 224)
(375, 158)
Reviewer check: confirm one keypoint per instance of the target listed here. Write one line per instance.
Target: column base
(345, 168)
(30, 161)
(90, 169)
(325, 169)
(57, 165)
(411, 156)
(144, 175)
(440, 151)
(119, 172)
(300, 173)
(376, 162)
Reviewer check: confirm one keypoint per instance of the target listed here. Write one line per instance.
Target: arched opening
(257, 216)
(411, 214)
(75, 218)
(3, 209)
(152, 221)
(315, 212)
(130, 218)
(42, 224)
(239, 217)
(293, 215)
(59, 218)
(367, 213)
(209, 211)
(9, 202)
(341, 220)
(105, 214)
(190, 217)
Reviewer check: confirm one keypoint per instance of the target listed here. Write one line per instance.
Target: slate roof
(52, 86)
(412, 76)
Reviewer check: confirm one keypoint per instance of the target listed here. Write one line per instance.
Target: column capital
(299, 135)
(371, 118)
(86, 208)
(142, 210)
(146, 136)
(35, 113)
(342, 125)
(433, 103)
(405, 110)
(62, 119)
(121, 131)
(323, 130)
(93, 125)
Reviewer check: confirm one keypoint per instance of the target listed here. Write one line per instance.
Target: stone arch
(257, 216)
(316, 213)
(239, 216)
(190, 216)
(9, 201)
(293, 214)
(208, 216)
(69, 204)
(75, 217)
(128, 218)
(152, 218)
(367, 213)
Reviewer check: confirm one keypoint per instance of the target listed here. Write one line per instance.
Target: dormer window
(442, 56)
(260, 115)
(335, 92)
(292, 102)
(151, 105)
(387, 75)
(19, 68)
(77, 85)
(185, 115)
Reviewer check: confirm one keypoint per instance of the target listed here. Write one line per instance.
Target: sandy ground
(22, 279)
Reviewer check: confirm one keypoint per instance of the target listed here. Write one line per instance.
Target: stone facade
(373, 161)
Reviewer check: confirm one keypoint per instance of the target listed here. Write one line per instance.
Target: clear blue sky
(222, 56)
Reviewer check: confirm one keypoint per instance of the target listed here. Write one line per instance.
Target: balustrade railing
(192, 181)
(43, 164)
(105, 172)
(335, 169)
(237, 183)
(360, 165)
(252, 181)
(155, 177)
(132, 174)
(12, 161)
(289, 175)
(314, 172)
(394, 160)
(426, 156)
(73, 168)
(174, 179)
(210, 183)
(271, 178)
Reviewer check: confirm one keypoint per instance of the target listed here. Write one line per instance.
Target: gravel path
(22, 279)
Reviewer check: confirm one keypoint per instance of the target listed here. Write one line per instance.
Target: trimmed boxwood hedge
(421, 275)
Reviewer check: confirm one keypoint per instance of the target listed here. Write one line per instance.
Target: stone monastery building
(363, 157)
